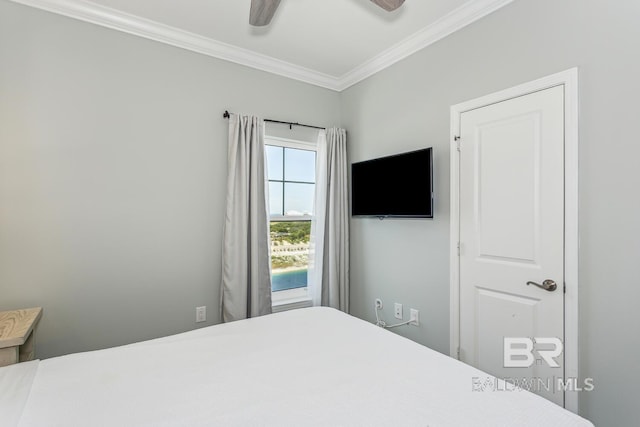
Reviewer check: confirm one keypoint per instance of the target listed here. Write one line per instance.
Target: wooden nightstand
(17, 343)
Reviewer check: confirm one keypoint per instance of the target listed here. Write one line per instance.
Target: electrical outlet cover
(415, 317)
(201, 314)
(397, 311)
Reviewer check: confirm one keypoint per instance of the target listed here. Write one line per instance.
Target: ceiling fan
(262, 10)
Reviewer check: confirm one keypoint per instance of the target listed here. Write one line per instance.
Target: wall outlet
(415, 317)
(397, 310)
(201, 314)
(378, 304)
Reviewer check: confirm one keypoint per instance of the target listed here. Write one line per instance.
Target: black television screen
(395, 186)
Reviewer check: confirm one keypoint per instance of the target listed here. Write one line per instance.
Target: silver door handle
(547, 285)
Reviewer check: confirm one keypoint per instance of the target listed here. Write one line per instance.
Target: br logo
(518, 352)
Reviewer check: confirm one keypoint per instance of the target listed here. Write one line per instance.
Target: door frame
(568, 79)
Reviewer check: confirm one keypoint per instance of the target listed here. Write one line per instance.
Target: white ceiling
(331, 43)
(329, 36)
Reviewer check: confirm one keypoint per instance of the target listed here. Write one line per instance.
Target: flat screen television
(398, 186)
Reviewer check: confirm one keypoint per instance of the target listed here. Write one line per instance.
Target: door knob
(547, 285)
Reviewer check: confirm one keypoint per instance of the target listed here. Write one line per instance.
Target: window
(291, 168)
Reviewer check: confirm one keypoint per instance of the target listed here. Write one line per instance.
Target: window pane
(274, 162)
(289, 254)
(298, 199)
(300, 165)
(275, 198)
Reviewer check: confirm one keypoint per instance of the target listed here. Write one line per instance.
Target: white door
(511, 233)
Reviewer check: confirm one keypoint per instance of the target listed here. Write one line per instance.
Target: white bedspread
(15, 384)
(310, 367)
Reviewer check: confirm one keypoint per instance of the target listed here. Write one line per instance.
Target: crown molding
(135, 25)
(455, 20)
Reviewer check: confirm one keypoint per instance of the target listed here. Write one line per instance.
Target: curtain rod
(226, 115)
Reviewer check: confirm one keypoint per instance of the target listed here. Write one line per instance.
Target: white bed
(309, 367)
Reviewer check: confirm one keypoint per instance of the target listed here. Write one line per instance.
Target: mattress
(308, 367)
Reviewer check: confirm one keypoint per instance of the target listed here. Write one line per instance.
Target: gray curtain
(329, 281)
(246, 271)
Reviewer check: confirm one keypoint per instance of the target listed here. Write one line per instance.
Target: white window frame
(291, 298)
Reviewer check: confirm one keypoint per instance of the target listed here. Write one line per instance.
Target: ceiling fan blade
(262, 11)
(389, 5)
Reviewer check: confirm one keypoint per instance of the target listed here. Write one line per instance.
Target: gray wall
(407, 107)
(112, 176)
